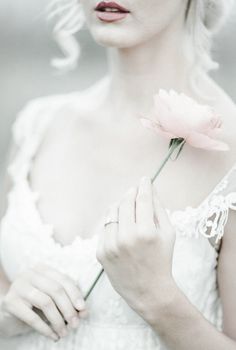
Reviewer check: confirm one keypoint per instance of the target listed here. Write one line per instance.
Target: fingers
(110, 230)
(127, 209)
(161, 216)
(64, 292)
(144, 204)
(45, 303)
(127, 215)
(135, 214)
(51, 298)
(24, 313)
(57, 295)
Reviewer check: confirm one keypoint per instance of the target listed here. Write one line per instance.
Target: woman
(78, 158)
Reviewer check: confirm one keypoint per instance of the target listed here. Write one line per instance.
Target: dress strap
(215, 210)
(27, 133)
(33, 120)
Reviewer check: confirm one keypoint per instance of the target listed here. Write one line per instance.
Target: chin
(111, 38)
(115, 36)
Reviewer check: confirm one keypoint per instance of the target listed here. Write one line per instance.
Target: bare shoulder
(76, 112)
(226, 107)
(86, 101)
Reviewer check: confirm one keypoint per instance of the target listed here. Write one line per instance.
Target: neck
(138, 72)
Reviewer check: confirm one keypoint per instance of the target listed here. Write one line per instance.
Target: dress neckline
(100, 222)
(36, 194)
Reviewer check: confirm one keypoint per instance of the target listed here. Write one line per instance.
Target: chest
(82, 169)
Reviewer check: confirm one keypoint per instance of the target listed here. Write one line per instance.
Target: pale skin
(144, 55)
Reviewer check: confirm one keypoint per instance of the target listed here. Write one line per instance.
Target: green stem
(174, 144)
(94, 284)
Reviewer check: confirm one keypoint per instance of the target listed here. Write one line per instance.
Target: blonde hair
(70, 19)
(203, 19)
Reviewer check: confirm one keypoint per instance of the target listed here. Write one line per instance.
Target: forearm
(9, 325)
(183, 327)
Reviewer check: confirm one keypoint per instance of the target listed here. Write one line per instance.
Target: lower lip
(111, 16)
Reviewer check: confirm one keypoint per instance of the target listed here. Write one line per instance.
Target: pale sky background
(26, 48)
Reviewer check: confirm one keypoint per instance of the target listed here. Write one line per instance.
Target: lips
(110, 7)
(110, 12)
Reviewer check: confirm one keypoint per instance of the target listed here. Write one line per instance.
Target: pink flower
(179, 116)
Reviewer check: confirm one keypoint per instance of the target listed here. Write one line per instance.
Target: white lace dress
(112, 324)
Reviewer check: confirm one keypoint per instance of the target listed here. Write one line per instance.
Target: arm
(183, 327)
(123, 253)
(9, 325)
(40, 298)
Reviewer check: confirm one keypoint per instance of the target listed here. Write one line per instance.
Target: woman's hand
(137, 253)
(46, 300)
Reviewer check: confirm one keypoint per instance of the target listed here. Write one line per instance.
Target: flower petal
(150, 124)
(169, 120)
(203, 141)
(214, 132)
(180, 116)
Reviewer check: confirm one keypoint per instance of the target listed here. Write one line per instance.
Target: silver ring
(110, 222)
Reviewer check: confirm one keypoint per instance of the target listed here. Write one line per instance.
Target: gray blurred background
(26, 48)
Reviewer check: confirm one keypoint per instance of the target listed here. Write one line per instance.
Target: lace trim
(216, 214)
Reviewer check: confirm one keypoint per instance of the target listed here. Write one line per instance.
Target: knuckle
(63, 276)
(10, 299)
(70, 314)
(125, 245)
(58, 290)
(146, 233)
(7, 303)
(100, 255)
(16, 287)
(152, 232)
(111, 253)
(32, 294)
(121, 244)
(67, 279)
(70, 287)
(33, 321)
(150, 238)
(46, 302)
(74, 291)
(58, 324)
(142, 231)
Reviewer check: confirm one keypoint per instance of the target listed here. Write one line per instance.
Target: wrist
(160, 302)
(10, 325)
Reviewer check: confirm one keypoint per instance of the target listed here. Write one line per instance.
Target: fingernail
(80, 304)
(74, 322)
(54, 337)
(63, 332)
(83, 314)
